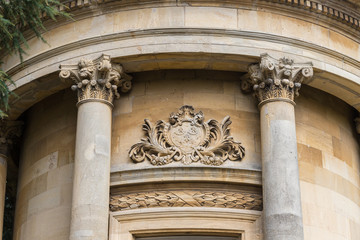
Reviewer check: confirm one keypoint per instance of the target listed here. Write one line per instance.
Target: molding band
(276, 100)
(94, 100)
(158, 32)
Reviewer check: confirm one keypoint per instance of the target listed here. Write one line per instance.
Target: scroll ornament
(187, 138)
(276, 79)
(97, 79)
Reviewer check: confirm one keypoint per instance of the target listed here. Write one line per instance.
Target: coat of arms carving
(187, 138)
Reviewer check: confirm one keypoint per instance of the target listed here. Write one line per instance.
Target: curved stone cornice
(37, 77)
(276, 79)
(97, 79)
(343, 12)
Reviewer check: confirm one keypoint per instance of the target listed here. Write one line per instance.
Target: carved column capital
(276, 79)
(10, 133)
(97, 79)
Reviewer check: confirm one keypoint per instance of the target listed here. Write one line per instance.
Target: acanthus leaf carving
(187, 138)
(274, 79)
(96, 79)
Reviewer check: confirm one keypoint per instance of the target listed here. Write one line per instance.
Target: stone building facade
(191, 119)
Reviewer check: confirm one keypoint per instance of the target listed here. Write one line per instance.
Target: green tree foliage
(16, 16)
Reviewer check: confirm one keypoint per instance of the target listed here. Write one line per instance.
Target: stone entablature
(97, 79)
(274, 80)
(330, 10)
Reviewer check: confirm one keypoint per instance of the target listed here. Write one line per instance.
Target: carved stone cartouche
(96, 79)
(273, 79)
(187, 138)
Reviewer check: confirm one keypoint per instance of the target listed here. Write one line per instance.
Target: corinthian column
(96, 82)
(10, 132)
(276, 83)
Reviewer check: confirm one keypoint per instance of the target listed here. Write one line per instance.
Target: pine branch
(15, 17)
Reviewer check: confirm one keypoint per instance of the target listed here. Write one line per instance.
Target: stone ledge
(178, 32)
(188, 174)
(245, 215)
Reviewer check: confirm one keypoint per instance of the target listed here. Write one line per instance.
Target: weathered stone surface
(50, 131)
(281, 189)
(46, 169)
(207, 35)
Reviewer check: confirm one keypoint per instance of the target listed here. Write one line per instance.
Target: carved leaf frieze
(187, 138)
(189, 198)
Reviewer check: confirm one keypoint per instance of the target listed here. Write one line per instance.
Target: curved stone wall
(192, 53)
(329, 164)
(156, 94)
(46, 169)
(327, 145)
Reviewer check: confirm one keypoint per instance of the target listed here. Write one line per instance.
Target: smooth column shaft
(90, 206)
(281, 188)
(3, 172)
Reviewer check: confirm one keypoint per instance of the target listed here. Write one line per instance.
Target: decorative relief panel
(187, 138)
(189, 198)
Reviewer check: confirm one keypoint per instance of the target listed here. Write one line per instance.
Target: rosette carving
(187, 138)
(96, 79)
(276, 79)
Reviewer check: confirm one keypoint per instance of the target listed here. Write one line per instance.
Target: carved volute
(187, 138)
(276, 80)
(97, 79)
